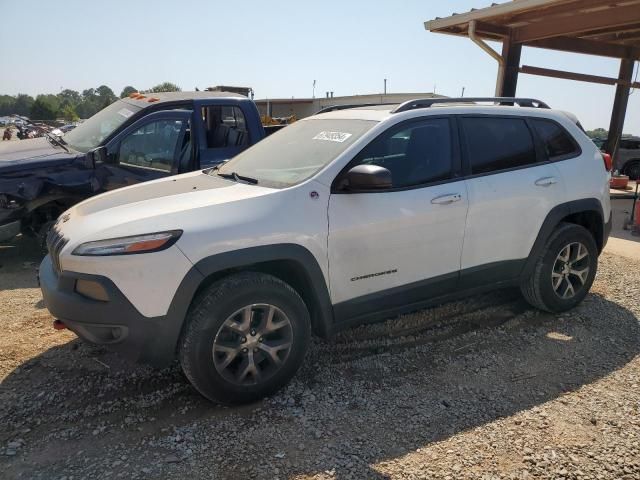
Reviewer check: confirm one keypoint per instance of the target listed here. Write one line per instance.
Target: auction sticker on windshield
(332, 136)
(125, 112)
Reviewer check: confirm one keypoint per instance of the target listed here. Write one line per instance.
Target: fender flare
(553, 218)
(244, 259)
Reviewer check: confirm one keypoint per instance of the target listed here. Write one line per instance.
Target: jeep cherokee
(344, 217)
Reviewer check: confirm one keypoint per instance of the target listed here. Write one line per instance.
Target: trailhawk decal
(332, 136)
(371, 275)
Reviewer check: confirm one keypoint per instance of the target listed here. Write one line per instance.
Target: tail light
(608, 163)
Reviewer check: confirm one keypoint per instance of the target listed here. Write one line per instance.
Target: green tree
(69, 114)
(45, 107)
(128, 90)
(597, 133)
(90, 103)
(69, 97)
(7, 105)
(23, 104)
(165, 87)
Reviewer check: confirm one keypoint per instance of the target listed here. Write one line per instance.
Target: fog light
(92, 290)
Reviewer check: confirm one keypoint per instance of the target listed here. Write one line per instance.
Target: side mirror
(98, 155)
(368, 177)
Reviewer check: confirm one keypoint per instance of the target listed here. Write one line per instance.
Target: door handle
(546, 181)
(446, 199)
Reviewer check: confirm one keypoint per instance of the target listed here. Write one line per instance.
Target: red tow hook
(58, 325)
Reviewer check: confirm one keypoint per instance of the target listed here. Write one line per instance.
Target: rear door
(511, 187)
(398, 247)
(153, 147)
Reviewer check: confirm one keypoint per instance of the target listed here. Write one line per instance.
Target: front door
(400, 246)
(153, 147)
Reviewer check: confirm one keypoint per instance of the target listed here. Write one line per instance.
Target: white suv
(341, 218)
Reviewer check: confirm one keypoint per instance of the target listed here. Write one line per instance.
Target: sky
(279, 48)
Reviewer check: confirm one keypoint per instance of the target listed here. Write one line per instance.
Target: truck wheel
(564, 270)
(42, 234)
(632, 169)
(245, 337)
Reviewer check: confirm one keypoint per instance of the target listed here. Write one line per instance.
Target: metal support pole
(619, 109)
(490, 51)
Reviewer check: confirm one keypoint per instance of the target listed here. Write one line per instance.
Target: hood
(32, 153)
(153, 206)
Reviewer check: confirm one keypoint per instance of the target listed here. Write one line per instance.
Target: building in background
(305, 107)
(228, 88)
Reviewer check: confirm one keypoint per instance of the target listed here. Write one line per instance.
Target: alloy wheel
(252, 344)
(570, 270)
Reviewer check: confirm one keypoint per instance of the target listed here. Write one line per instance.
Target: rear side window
(225, 127)
(556, 141)
(493, 143)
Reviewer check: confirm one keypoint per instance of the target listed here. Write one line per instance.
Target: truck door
(153, 147)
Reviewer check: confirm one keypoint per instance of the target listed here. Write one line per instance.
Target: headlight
(151, 242)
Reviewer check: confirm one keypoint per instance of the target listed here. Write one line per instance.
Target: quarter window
(494, 144)
(225, 127)
(557, 142)
(415, 154)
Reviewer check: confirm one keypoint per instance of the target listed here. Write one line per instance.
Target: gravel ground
(484, 388)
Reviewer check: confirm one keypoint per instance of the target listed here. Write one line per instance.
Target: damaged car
(133, 140)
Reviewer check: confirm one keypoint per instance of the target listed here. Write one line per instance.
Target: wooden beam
(589, 47)
(618, 36)
(581, 77)
(511, 54)
(618, 16)
(495, 30)
(619, 111)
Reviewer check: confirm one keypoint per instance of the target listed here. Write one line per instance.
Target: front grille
(55, 243)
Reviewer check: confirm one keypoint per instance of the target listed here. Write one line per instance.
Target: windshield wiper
(238, 178)
(57, 141)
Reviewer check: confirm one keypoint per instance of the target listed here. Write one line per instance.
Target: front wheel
(245, 338)
(564, 270)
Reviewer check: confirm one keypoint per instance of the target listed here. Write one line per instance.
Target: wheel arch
(46, 209)
(586, 212)
(291, 263)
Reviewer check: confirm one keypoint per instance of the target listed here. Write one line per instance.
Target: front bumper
(114, 323)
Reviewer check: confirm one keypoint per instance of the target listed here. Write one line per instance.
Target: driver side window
(153, 146)
(415, 154)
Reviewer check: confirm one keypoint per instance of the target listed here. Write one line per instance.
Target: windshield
(90, 133)
(296, 152)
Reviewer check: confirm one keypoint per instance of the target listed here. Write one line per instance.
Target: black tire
(538, 288)
(42, 234)
(632, 169)
(214, 308)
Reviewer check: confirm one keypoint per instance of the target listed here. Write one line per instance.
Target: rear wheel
(245, 338)
(564, 270)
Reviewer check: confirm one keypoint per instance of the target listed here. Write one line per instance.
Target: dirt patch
(483, 388)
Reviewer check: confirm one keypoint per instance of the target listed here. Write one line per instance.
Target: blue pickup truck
(136, 139)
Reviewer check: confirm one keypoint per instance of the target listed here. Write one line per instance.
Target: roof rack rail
(333, 108)
(428, 102)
